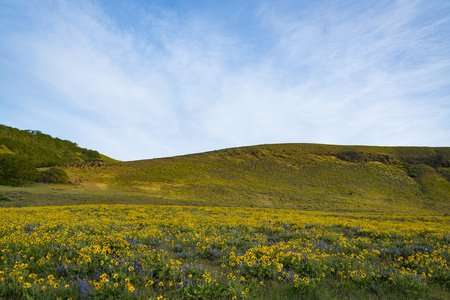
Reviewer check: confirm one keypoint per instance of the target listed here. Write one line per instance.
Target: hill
(303, 176)
(22, 152)
(42, 149)
(300, 176)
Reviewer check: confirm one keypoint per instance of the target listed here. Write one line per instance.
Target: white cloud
(174, 83)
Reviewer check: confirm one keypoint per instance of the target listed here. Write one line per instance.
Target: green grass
(298, 176)
(42, 149)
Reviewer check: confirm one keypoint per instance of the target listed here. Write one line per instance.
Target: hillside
(42, 149)
(303, 176)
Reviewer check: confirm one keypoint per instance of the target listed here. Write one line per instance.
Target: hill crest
(300, 176)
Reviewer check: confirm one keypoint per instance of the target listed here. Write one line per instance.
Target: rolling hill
(42, 149)
(301, 176)
(304, 176)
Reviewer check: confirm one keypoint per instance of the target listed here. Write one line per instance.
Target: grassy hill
(42, 149)
(302, 176)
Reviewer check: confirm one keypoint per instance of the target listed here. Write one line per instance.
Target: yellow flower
(161, 283)
(27, 285)
(131, 269)
(261, 283)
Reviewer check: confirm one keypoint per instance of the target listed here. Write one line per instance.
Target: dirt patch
(94, 185)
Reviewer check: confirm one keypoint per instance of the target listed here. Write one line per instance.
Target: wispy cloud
(164, 80)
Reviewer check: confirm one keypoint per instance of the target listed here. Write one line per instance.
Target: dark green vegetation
(16, 170)
(23, 151)
(42, 150)
(54, 175)
(3, 198)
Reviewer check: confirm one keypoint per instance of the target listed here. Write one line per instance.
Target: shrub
(53, 175)
(3, 198)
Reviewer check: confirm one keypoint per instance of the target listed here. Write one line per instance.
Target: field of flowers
(181, 252)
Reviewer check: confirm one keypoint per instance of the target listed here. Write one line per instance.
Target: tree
(16, 170)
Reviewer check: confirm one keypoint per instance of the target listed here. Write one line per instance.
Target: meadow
(281, 221)
(187, 252)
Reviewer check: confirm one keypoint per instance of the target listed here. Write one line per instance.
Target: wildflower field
(182, 252)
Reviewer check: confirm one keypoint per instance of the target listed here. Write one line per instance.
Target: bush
(3, 198)
(53, 175)
(16, 170)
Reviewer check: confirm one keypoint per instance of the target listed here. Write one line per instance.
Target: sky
(146, 79)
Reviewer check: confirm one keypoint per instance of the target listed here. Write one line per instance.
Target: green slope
(304, 176)
(42, 149)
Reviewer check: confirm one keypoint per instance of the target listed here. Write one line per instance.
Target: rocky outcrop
(359, 157)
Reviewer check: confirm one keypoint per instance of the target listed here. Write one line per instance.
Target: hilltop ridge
(303, 176)
(300, 176)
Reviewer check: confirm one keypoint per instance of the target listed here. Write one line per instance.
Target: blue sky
(144, 79)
